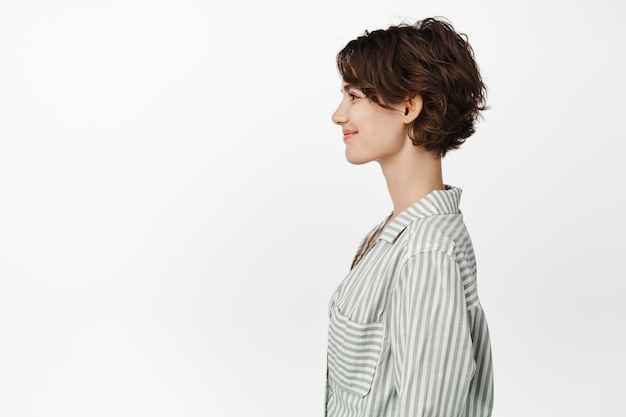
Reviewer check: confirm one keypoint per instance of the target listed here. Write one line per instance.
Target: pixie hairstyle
(429, 59)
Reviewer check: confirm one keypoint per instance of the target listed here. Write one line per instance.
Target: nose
(340, 115)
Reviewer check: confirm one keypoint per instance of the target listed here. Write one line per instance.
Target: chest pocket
(353, 352)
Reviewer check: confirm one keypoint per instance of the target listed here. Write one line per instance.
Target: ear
(412, 109)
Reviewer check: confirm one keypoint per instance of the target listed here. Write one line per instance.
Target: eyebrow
(347, 88)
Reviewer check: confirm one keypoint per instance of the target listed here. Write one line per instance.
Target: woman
(407, 334)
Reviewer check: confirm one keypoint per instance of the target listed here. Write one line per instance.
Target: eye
(353, 96)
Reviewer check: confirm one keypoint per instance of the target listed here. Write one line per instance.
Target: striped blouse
(407, 335)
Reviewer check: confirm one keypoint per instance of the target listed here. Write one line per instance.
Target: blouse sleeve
(431, 344)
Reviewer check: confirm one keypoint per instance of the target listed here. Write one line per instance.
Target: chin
(357, 160)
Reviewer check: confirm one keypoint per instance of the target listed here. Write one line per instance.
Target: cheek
(392, 130)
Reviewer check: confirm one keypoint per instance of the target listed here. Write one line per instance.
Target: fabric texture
(407, 334)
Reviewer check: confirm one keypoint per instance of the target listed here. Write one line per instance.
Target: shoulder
(444, 233)
(441, 245)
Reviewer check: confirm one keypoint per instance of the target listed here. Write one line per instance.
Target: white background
(176, 210)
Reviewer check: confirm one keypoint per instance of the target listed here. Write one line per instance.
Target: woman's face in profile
(370, 132)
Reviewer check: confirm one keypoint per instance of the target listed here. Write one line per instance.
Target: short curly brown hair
(427, 58)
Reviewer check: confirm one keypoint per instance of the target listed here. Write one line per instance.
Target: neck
(411, 175)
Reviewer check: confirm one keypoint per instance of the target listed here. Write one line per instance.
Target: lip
(347, 134)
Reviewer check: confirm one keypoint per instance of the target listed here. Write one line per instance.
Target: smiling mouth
(348, 134)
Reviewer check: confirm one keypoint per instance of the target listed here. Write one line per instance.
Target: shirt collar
(436, 202)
